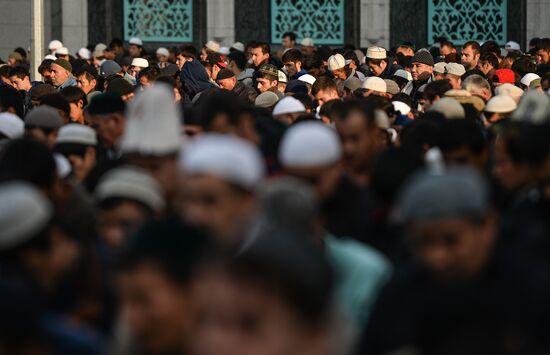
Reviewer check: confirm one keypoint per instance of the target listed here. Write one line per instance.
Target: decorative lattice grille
(159, 20)
(464, 20)
(321, 20)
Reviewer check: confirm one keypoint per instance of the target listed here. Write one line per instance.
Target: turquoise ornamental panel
(321, 20)
(159, 20)
(464, 20)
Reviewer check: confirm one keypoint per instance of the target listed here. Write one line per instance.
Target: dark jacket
(246, 92)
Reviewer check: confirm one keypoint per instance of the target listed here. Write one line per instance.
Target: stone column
(538, 13)
(375, 23)
(220, 21)
(74, 24)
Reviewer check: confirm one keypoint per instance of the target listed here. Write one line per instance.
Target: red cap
(505, 76)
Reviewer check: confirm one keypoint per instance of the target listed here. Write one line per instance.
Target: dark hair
(448, 44)
(28, 160)
(21, 51)
(168, 80)
(115, 201)
(437, 88)
(333, 109)
(57, 101)
(239, 58)
(526, 143)
(188, 51)
(366, 108)
(116, 42)
(476, 48)
(351, 55)
(291, 35)
(455, 134)
(20, 72)
(322, 84)
(88, 71)
(490, 47)
(523, 65)
(421, 133)
(74, 94)
(151, 73)
(5, 71)
(489, 57)
(219, 102)
(169, 245)
(266, 49)
(11, 98)
(544, 43)
(293, 55)
(45, 65)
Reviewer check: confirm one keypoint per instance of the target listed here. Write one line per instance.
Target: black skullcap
(225, 74)
(120, 86)
(296, 86)
(106, 103)
(58, 101)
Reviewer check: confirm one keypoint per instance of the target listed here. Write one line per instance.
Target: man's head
(543, 51)
(237, 62)
(106, 115)
(226, 79)
(61, 71)
(86, 79)
(185, 54)
(31, 241)
(289, 40)
(312, 152)
(422, 65)
(293, 60)
(153, 284)
(435, 91)
(221, 173)
(470, 54)
(405, 48)
(77, 101)
(453, 73)
(447, 48)
(462, 142)
(78, 143)
(487, 62)
(361, 138)
(477, 86)
(324, 89)
(338, 67)
(126, 198)
(288, 109)
(45, 70)
(117, 46)
(377, 60)
(135, 47)
(267, 78)
(260, 53)
(20, 78)
(449, 223)
(42, 124)
(274, 298)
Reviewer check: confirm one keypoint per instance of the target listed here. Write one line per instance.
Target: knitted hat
(423, 57)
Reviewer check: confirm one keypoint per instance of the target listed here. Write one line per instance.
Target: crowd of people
(308, 201)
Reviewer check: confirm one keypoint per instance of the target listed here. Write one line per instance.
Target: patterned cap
(271, 70)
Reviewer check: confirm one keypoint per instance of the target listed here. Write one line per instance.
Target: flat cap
(439, 67)
(266, 99)
(392, 87)
(455, 69)
(44, 117)
(501, 104)
(375, 83)
(449, 107)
